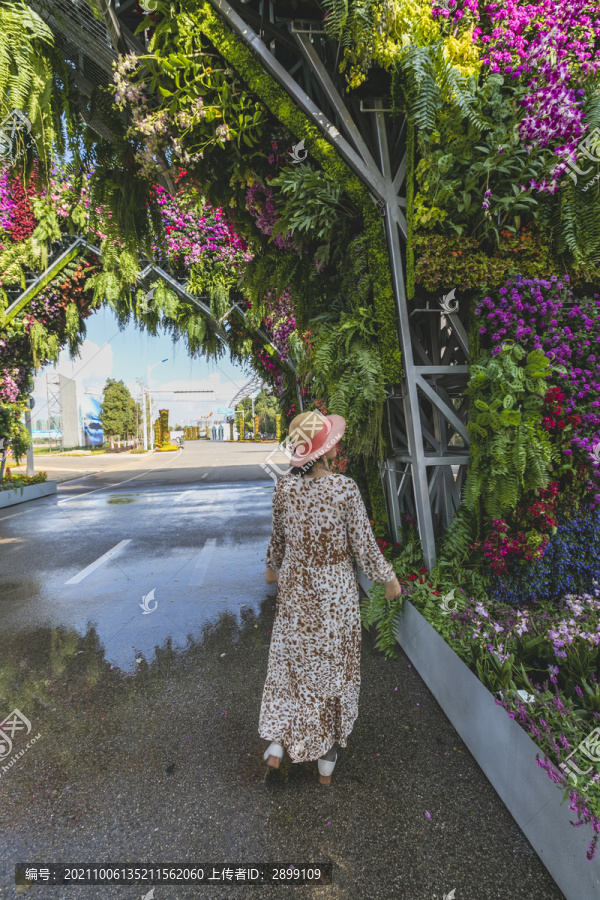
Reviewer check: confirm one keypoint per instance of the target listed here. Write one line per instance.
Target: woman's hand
(271, 576)
(393, 589)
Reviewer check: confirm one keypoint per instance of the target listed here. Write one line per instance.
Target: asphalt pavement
(135, 626)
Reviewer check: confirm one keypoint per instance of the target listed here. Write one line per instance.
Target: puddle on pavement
(64, 684)
(118, 498)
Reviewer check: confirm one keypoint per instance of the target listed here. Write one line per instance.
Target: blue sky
(110, 353)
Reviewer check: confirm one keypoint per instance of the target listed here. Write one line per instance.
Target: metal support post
(409, 384)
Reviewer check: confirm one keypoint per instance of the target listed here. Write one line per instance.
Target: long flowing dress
(310, 697)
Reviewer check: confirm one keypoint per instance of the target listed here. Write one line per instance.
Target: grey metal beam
(411, 400)
(419, 348)
(113, 27)
(443, 370)
(447, 411)
(400, 174)
(266, 339)
(123, 6)
(458, 459)
(382, 188)
(391, 492)
(327, 86)
(460, 333)
(42, 280)
(152, 267)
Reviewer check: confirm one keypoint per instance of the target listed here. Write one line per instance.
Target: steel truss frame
(426, 412)
(256, 383)
(60, 255)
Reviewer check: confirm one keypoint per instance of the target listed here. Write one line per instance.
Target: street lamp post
(150, 405)
(144, 422)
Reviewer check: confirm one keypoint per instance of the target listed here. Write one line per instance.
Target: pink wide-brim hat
(313, 434)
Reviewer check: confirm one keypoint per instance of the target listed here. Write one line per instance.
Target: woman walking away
(310, 698)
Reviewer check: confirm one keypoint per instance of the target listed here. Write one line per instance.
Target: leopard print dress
(310, 697)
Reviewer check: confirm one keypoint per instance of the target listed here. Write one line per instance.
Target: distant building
(69, 411)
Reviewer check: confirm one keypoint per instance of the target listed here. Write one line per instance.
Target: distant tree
(266, 407)
(246, 406)
(118, 410)
(136, 417)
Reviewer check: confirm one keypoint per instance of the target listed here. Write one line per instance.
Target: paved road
(148, 747)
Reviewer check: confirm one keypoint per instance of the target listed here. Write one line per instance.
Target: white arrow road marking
(183, 496)
(100, 561)
(204, 557)
(188, 495)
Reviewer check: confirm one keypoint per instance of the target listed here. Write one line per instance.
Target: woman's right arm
(364, 546)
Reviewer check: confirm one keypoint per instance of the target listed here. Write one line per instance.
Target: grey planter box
(505, 753)
(30, 492)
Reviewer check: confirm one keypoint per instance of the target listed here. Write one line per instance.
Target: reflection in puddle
(93, 715)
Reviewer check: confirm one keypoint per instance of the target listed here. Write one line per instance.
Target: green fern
(385, 614)
(457, 539)
(510, 453)
(423, 80)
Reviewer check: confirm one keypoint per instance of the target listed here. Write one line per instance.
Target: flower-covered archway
(500, 217)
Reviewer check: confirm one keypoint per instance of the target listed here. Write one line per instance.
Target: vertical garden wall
(192, 166)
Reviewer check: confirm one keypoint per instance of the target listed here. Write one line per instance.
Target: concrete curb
(29, 492)
(505, 753)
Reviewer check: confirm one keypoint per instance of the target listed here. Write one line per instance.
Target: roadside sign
(225, 412)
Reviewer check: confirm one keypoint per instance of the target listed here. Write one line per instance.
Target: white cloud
(96, 363)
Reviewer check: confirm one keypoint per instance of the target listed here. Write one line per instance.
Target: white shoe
(326, 768)
(274, 754)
